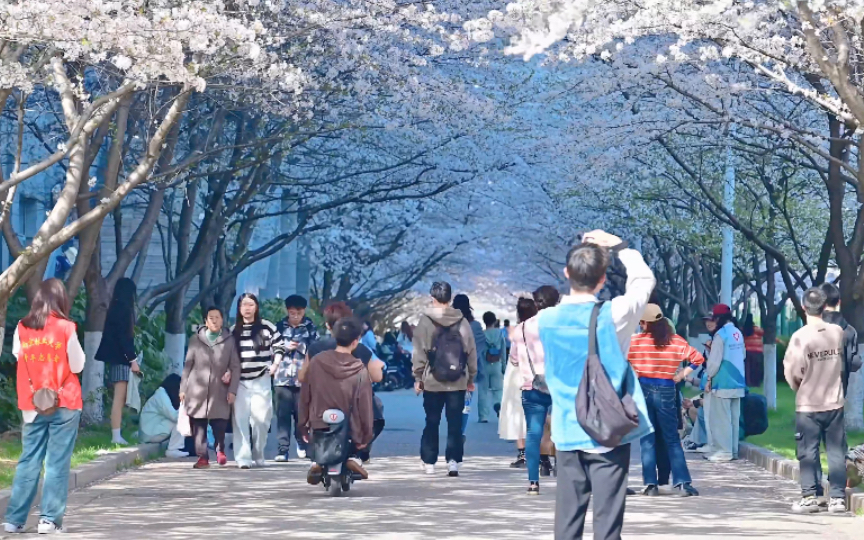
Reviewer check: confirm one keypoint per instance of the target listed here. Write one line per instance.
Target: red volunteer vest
(44, 361)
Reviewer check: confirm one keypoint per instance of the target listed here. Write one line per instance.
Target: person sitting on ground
(331, 382)
(332, 313)
(656, 355)
(813, 367)
(158, 421)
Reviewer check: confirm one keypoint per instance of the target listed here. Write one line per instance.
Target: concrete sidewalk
(170, 500)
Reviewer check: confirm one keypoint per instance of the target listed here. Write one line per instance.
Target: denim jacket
(564, 335)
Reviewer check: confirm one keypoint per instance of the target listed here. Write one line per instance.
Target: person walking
(117, 349)
(49, 355)
(586, 468)
(754, 361)
(656, 355)
(369, 339)
(463, 304)
(158, 421)
(490, 391)
(727, 385)
(298, 333)
(813, 367)
(445, 366)
(210, 386)
(261, 349)
(404, 344)
(511, 425)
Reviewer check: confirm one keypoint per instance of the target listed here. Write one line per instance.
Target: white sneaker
(706, 449)
(717, 457)
(281, 458)
(13, 529)
(301, 454)
(807, 505)
(120, 441)
(176, 454)
(429, 468)
(260, 463)
(49, 527)
(837, 505)
(452, 468)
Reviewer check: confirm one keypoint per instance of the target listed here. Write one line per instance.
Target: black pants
(452, 403)
(812, 429)
(754, 368)
(199, 432)
(579, 475)
(365, 454)
(287, 409)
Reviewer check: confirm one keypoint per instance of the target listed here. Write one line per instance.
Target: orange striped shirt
(754, 343)
(649, 360)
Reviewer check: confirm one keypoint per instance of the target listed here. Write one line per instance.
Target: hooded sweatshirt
(813, 366)
(444, 316)
(331, 383)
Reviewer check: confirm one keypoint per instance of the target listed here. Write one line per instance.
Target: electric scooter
(336, 477)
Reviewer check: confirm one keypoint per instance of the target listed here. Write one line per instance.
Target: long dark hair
(546, 296)
(722, 320)
(121, 311)
(526, 308)
(50, 299)
(257, 326)
(748, 325)
(463, 304)
(171, 384)
(660, 332)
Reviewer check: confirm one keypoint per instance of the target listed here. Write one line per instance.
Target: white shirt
(74, 352)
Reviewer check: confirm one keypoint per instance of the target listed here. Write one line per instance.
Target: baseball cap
(721, 309)
(652, 313)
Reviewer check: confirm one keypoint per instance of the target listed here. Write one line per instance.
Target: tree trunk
(98, 296)
(175, 331)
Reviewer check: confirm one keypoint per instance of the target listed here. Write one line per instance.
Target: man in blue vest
(584, 466)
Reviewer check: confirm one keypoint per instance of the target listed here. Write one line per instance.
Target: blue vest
(731, 374)
(564, 335)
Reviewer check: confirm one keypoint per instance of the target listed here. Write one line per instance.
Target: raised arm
(628, 308)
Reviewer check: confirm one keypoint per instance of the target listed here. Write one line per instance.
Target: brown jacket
(206, 394)
(331, 383)
(813, 367)
(422, 341)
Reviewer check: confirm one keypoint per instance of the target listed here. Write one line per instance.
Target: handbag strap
(592, 329)
(528, 352)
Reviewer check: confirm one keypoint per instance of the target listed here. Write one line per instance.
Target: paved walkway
(169, 500)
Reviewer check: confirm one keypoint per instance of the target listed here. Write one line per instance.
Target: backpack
(493, 355)
(754, 414)
(605, 415)
(447, 357)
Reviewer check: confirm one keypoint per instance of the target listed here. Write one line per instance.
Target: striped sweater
(255, 363)
(649, 360)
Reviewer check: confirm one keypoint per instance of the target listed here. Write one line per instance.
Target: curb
(787, 468)
(100, 468)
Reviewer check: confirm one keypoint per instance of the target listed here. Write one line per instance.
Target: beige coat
(206, 394)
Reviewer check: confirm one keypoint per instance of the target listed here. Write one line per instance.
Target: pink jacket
(520, 351)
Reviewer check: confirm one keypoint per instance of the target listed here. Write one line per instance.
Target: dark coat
(206, 394)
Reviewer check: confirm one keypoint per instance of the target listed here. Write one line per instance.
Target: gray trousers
(580, 475)
(723, 417)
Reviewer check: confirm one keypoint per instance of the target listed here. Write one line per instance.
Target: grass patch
(91, 440)
(780, 436)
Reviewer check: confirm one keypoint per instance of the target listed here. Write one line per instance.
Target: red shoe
(202, 463)
(221, 458)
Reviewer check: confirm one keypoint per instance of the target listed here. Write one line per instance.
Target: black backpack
(754, 412)
(604, 414)
(447, 357)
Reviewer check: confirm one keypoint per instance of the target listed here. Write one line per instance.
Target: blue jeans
(536, 406)
(49, 440)
(660, 401)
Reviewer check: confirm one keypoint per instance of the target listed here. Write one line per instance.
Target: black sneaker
(651, 491)
(545, 468)
(686, 490)
(630, 492)
(497, 408)
(534, 488)
(519, 463)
